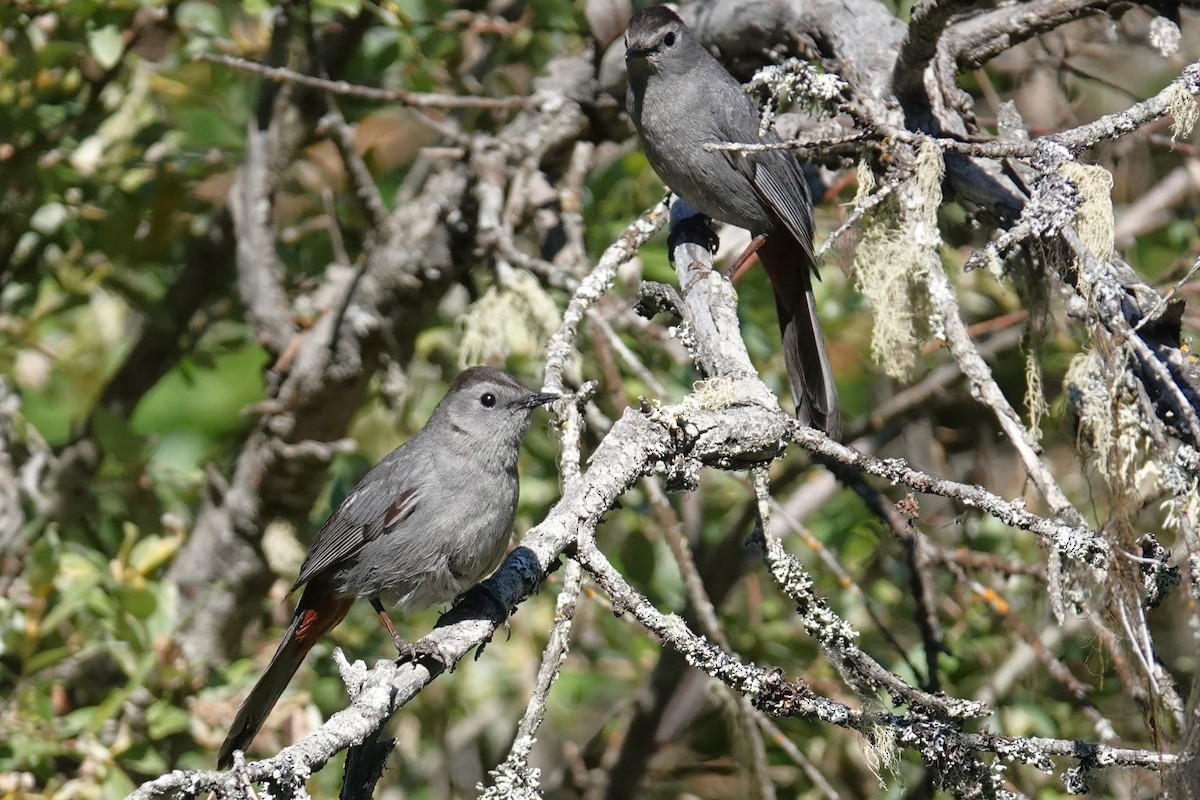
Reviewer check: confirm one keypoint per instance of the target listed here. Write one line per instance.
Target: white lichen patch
(514, 779)
(1182, 508)
(515, 318)
(796, 81)
(1182, 107)
(1035, 395)
(1164, 36)
(1094, 214)
(714, 394)
(1111, 430)
(880, 749)
(899, 241)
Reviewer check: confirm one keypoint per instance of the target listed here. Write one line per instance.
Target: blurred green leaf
(117, 436)
(106, 45)
(201, 17)
(348, 7)
(145, 759)
(41, 564)
(46, 658)
(152, 552)
(49, 218)
(638, 559)
(139, 602)
(164, 719)
(117, 784)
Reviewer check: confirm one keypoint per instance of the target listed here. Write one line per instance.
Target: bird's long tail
(316, 614)
(804, 355)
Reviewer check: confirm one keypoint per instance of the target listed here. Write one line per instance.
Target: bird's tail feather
(808, 368)
(316, 613)
(809, 373)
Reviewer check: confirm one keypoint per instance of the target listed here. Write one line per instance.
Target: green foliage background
(116, 154)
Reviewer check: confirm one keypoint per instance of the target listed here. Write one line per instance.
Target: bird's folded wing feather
(775, 174)
(364, 515)
(782, 186)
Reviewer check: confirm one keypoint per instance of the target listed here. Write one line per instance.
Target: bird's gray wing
(775, 174)
(778, 181)
(370, 510)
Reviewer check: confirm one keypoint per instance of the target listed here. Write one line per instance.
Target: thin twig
(402, 96)
(1110, 126)
(1085, 544)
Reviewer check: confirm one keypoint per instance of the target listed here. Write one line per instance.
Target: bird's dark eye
(487, 400)
(669, 39)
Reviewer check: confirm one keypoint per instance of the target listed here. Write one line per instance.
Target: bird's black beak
(538, 399)
(637, 51)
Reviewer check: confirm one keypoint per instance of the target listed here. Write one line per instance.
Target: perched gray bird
(429, 521)
(681, 98)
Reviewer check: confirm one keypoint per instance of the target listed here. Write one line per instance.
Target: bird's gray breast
(676, 119)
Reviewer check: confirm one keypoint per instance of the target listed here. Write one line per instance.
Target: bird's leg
(401, 645)
(409, 651)
(745, 260)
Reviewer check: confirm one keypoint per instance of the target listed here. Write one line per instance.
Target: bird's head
(656, 40)
(488, 409)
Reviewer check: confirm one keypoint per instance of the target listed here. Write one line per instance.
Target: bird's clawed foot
(411, 652)
(415, 652)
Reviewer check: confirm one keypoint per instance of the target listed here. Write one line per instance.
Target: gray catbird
(681, 98)
(426, 523)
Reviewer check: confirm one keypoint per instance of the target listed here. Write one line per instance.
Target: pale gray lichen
(1094, 212)
(1074, 566)
(1159, 576)
(1035, 395)
(881, 750)
(1164, 36)
(1111, 429)
(793, 80)
(899, 242)
(818, 619)
(714, 394)
(516, 317)
(1188, 458)
(1181, 105)
(514, 778)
